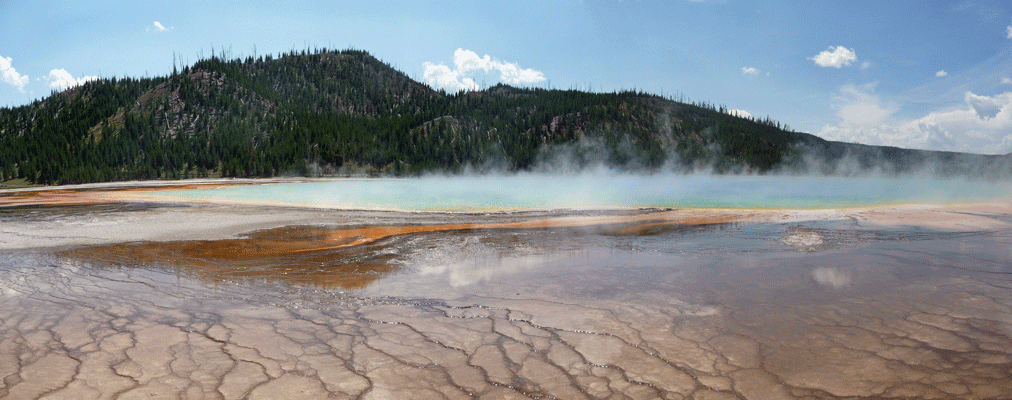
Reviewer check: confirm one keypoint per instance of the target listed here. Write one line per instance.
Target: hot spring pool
(108, 291)
(476, 193)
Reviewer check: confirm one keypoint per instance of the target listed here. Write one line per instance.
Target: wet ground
(110, 301)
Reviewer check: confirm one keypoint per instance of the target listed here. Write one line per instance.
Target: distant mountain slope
(349, 113)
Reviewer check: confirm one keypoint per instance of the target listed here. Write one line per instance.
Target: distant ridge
(347, 113)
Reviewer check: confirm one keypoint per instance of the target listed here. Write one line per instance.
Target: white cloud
(467, 64)
(11, 76)
(1009, 29)
(441, 76)
(985, 107)
(982, 125)
(866, 65)
(158, 27)
(860, 106)
(740, 113)
(749, 71)
(836, 58)
(1006, 81)
(60, 79)
(941, 73)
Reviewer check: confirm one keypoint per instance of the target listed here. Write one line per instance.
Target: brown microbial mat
(671, 304)
(340, 257)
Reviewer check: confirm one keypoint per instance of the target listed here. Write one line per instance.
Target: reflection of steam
(474, 262)
(831, 277)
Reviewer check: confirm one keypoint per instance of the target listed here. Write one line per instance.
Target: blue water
(608, 191)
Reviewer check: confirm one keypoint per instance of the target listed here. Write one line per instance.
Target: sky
(929, 75)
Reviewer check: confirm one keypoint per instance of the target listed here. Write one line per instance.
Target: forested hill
(327, 112)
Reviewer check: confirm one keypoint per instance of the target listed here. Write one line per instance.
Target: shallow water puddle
(344, 257)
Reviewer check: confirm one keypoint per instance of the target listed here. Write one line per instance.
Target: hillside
(345, 112)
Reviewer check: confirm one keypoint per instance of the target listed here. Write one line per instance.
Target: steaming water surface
(605, 191)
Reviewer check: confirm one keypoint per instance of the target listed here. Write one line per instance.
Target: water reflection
(835, 278)
(469, 260)
(354, 257)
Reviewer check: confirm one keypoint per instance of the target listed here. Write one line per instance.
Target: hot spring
(523, 286)
(531, 191)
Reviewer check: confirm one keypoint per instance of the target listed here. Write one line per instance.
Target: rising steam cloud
(467, 65)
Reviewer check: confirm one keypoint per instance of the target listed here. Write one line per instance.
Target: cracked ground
(618, 305)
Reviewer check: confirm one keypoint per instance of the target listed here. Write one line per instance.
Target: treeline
(345, 112)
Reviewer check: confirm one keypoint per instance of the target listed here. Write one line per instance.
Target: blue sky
(935, 75)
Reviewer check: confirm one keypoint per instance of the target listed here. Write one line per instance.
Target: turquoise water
(586, 191)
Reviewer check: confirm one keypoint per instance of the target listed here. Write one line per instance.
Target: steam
(606, 189)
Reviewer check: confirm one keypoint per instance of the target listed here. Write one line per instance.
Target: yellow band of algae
(80, 196)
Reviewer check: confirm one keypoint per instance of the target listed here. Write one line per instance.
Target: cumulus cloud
(749, 71)
(941, 73)
(858, 105)
(740, 113)
(158, 27)
(60, 79)
(983, 124)
(11, 76)
(1006, 81)
(985, 107)
(467, 64)
(835, 57)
